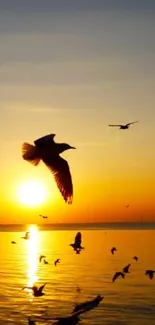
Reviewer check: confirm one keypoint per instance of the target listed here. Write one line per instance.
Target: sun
(32, 193)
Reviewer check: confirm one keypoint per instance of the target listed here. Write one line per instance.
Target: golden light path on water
(32, 256)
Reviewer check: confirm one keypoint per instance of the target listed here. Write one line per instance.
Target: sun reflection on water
(32, 256)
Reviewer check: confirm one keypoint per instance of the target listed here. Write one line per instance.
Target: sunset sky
(71, 68)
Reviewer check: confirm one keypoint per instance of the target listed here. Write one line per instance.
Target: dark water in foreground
(128, 301)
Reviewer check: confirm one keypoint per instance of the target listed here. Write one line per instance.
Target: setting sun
(32, 193)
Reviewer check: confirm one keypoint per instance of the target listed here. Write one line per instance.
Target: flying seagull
(44, 217)
(135, 258)
(126, 269)
(73, 318)
(123, 127)
(48, 151)
(118, 274)
(127, 206)
(27, 235)
(150, 273)
(37, 292)
(77, 243)
(114, 249)
(57, 261)
(45, 262)
(41, 257)
(88, 304)
(13, 242)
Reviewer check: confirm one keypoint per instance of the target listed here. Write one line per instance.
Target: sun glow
(32, 193)
(32, 256)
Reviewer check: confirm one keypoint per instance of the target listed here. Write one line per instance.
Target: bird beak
(72, 148)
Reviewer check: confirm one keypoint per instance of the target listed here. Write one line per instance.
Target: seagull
(27, 235)
(73, 318)
(116, 275)
(57, 261)
(77, 243)
(114, 249)
(88, 304)
(37, 292)
(48, 151)
(45, 262)
(41, 257)
(150, 273)
(126, 269)
(135, 258)
(127, 206)
(31, 322)
(13, 242)
(44, 217)
(123, 127)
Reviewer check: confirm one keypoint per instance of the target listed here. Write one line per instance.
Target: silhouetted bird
(126, 269)
(77, 243)
(88, 304)
(48, 151)
(36, 292)
(127, 206)
(74, 319)
(44, 217)
(78, 289)
(41, 257)
(31, 322)
(118, 274)
(123, 127)
(114, 249)
(13, 242)
(57, 261)
(27, 235)
(135, 258)
(150, 273)
(45, 262)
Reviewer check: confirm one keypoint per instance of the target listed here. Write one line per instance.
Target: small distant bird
(135, 258)
(31, 322)
(41, 257)
(127, 206)
(123, 127)
(45, 262)
(36, 292)
(118, 274)
(126, 269)
(77, 243)
(150, 273)
(48, 151)
(78, 289)
(44, 217)
(13, 242)
(114, 249)
(27, 235)
(57, 261)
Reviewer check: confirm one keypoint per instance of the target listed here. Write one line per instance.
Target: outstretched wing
(41, 288)
(78, 239)
(60, 169)
(46, 140)
(115, 125)
(132, 122)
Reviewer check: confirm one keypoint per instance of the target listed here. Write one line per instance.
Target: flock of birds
(47, 150)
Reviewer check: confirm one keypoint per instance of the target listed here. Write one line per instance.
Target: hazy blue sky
(71, 68)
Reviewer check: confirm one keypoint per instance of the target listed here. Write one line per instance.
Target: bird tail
(30, 153)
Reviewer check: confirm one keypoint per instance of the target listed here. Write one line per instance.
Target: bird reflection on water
(32, 246)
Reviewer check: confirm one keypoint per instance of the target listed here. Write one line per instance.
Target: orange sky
(72, 72)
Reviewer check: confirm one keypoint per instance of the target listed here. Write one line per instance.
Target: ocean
(126, 301)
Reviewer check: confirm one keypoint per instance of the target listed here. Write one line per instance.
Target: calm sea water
(128, 301)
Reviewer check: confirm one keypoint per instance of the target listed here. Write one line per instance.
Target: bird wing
(131, 123)
(115, 276)
(78, 239)
(46, 140)
(115, 125)
(41, 288)
(60, 169)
